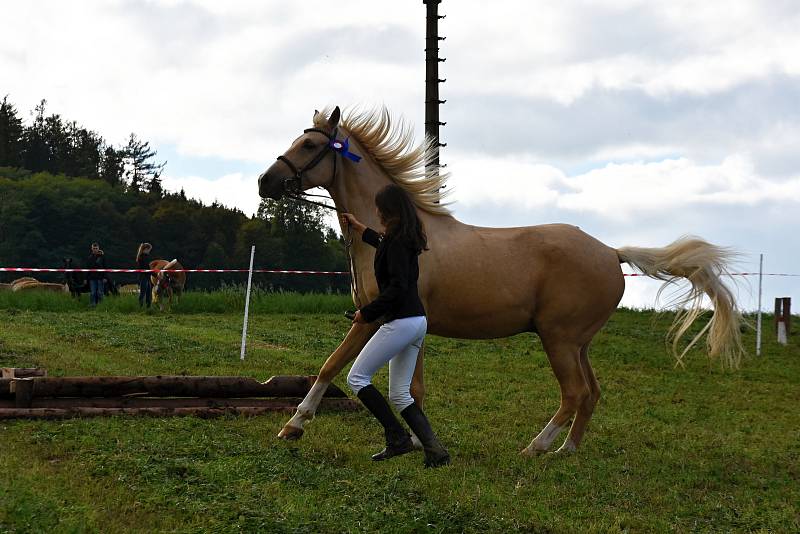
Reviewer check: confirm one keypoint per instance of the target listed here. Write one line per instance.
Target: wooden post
(777, 316)
(783, 314)
(787, 314)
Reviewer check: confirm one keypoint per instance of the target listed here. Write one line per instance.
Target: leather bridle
(293, 188)
(294, 184)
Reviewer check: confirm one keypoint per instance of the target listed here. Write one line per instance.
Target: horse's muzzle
(271, 184)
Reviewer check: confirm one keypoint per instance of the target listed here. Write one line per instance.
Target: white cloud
(707, 47)
(616, 191)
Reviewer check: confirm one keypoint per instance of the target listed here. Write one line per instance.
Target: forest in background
(63, 187)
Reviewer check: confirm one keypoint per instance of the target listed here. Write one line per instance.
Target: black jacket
(397, 271)
(143, 263)
(96, 261)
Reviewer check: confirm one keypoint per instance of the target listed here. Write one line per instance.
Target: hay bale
(129, 288)
(41, 286)
(24, 280)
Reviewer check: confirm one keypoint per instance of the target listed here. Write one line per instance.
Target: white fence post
(758, 322)
(247, 302)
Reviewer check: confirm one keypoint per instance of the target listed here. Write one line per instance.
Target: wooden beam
(255, 407)
(23, 372)
(173, 386)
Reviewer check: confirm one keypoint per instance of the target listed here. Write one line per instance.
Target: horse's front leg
(352, 344)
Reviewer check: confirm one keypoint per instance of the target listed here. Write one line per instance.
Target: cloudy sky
(639, 121)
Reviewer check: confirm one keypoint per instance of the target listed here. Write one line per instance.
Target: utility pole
(432, 79)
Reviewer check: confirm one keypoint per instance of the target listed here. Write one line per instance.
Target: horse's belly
(478, 320)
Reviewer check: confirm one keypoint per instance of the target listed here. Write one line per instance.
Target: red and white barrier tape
(271, 271)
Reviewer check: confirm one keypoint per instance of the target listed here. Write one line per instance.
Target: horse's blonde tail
(703, 264)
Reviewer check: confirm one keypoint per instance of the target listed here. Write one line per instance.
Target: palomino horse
(480, 283)
(165, 283)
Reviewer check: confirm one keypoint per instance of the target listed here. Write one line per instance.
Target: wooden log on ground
(23, 390)
(188, 402)
(174, 386)
(276, 405)
(23, 372)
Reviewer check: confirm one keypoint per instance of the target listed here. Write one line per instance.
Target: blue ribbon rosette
(343, 148)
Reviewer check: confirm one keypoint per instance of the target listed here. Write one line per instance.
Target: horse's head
(164, 278)
(309, 162)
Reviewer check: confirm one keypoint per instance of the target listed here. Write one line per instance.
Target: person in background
(97, 260)
(143, 263)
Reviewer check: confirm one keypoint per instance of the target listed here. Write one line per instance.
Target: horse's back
(494, 282)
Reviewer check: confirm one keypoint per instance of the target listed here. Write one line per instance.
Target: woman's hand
(349, 219)
(358, 318)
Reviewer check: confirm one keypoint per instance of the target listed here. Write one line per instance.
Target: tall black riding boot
(435, 453)
(398, 441)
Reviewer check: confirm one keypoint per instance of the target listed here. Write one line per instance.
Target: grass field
(668, 449)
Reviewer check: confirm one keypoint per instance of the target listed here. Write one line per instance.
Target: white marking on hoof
(416, 442)
(290, 433)
(567, 448)
(545, 438)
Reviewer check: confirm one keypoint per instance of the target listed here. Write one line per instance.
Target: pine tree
(11, 132)
(142, 172)
(290, 216)
(112, 166)
(85, 152)
(35, 152)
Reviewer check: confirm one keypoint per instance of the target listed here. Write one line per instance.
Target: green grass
(668, 449)
(227, 300)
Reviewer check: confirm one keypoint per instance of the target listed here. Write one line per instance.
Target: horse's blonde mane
(390, 143)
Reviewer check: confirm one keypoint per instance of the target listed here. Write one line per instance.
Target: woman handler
(400, 337)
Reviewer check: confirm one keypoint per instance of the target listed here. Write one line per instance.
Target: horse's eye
(308, 144)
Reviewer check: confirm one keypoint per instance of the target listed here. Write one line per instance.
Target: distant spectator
(143, 262)
(97, 260)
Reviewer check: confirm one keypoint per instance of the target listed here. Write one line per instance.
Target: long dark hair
(400, 217)
(144, 248)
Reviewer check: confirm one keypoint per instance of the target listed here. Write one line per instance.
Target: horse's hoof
(290, 433)
(566, 449)
(529, 451)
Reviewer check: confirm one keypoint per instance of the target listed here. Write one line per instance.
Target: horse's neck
(354, 190)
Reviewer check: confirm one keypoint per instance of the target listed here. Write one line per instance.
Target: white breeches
(397, 342)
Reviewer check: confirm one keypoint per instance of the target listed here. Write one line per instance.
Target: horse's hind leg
(586, 407)
(565, 360)
(417, 380)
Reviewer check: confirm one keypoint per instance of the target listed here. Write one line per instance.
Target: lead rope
(348, 242)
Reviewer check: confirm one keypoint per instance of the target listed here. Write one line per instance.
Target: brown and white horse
(480, 283)
(165, 283)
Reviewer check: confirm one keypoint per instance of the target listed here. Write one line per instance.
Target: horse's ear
(314, 118)
(333, 122)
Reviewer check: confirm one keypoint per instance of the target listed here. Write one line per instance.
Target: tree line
(63, 186)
